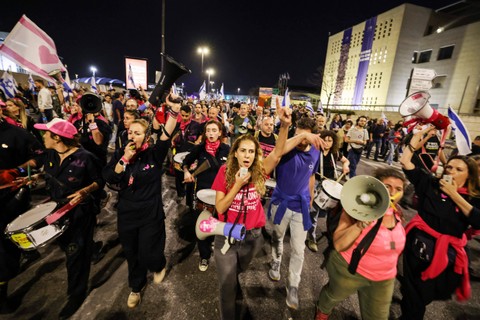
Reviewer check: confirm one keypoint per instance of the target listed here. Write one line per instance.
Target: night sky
(251, 42)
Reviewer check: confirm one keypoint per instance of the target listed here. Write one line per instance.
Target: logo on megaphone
(207, 226)
(417, 108)
(365, 198)
(243, 127)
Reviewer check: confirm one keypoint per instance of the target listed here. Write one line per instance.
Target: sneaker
(274, 272)
(292, 297)
(134, 299)
(203, 265)
(104, 201)
(159, 276)
(312, 245)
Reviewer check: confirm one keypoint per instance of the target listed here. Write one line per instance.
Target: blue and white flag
(130, 76)
(309, 107)
(462, 137)
(202, 92)
(8, 85)
(320, 107)
(93, 84)
(31, 84)
(384, 118)
(221, 94)
(286, 99)
(67, 83)
(110, 87)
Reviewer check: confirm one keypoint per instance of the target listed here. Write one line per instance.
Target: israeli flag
(320, 106)
(286, 99)
(462, 137)
(309, 107)
(31, 84)
(67, 83)
(130, 76)
(202, 92)
(7, 84)
(110, 87)
(93, 84)
(222, 94)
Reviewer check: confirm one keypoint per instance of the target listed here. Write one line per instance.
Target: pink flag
(30, 47)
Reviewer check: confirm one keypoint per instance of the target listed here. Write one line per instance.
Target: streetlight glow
(209, 72)
(203, 51)
(238, 90)
(93, 69)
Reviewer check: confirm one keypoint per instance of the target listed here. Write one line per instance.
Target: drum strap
(333, 163)
(231, 240)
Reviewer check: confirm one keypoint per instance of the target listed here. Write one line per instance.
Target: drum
(206, 200)
(270, 185)
(178, 161)
(328, 197)
(30, 231)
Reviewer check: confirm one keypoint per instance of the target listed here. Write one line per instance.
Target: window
(424, 56)
(445, 52)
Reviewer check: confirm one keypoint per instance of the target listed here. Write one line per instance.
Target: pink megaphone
(207, 226)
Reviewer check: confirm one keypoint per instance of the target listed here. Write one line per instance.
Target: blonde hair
(22, 115)
(256, 170)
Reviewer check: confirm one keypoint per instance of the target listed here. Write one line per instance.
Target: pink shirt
(251, 199)
(380, 261)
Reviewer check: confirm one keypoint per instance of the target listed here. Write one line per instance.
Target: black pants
(416, 293)
(77, 243)
(144, 248)
(184, 189)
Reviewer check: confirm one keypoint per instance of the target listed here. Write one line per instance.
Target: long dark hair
(472, 183)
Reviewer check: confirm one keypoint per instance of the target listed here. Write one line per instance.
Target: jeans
(294, 220)
(354, 159)
(229, 266)
(314, 214)
(377, 143)
(391, 152)
(374, 296)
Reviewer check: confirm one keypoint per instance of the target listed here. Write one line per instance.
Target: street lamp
(93, 69)
(203, 51)
(209, 72)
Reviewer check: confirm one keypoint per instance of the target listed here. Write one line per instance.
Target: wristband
(92, 126)
(411, 148)
(125, 160)
(172, 113)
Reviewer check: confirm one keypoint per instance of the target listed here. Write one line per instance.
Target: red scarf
(212, 147)
(183, 124)
(440, 257)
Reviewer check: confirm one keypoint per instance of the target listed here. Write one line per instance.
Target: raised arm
(414, 145)
(274, 157)
(172, 119)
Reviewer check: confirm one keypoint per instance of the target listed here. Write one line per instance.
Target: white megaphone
(365, 198)
(416, 106)
(207, 226)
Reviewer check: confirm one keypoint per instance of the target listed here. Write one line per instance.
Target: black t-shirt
(86, 138)
(117, 105)
(329, 164)
(266, 143)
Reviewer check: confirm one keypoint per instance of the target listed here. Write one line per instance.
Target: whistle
(132, 147)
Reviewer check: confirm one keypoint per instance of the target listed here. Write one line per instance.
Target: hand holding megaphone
(207, 226)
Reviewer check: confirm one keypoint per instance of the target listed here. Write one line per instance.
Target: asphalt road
(39, 292)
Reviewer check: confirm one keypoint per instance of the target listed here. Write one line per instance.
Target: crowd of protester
(128, 144)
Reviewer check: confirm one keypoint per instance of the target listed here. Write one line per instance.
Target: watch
(123, 164)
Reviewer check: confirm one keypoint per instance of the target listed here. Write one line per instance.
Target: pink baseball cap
(58, 126)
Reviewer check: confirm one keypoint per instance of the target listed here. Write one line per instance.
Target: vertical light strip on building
(364, 61)
(342, 66)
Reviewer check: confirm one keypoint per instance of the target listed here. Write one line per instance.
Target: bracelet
(125, 160)
(411, 148)
(172, 113)
(92, 126)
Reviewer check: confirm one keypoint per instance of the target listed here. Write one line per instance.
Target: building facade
(369, 66)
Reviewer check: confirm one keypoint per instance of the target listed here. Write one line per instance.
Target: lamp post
(203, 51)
(93, 69)
(209, 72)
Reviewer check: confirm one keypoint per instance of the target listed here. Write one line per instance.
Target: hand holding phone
(448, 178)
(243, 172)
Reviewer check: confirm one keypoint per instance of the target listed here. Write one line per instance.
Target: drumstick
(341, 177)
(201, 168)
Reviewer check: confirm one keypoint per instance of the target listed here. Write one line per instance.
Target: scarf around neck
(212, 147)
